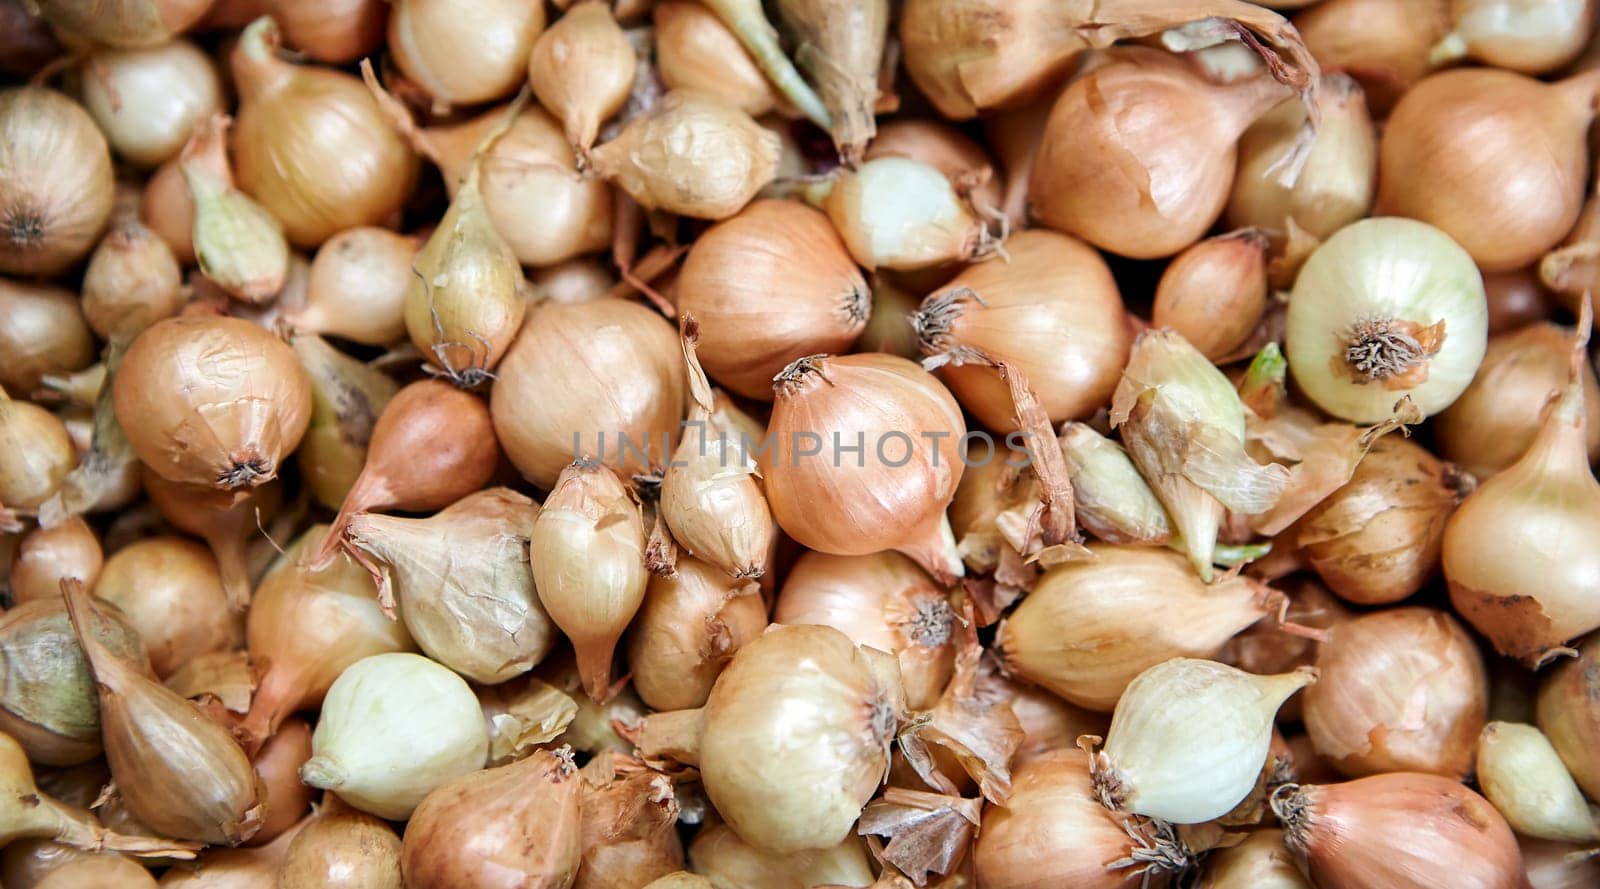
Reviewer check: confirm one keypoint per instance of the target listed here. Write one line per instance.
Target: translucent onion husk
(347, 397)
(629, 816)
(226, 521)
(1377, 539)
(432, 445)
(1215, 292)
(730, 281)
(341, 848)
(1110, 499)
(691, 154)
(841, 46)
(210, 400)
(1559, 865)
(1505, 220)
(176, 770)
(523, 714)
(687, 628)
(464, 53)
(305, 627)
(539, 203)
(1498, 417)
(882, 600)
(1054, 832)
(47, 694)
(843, 507)
(463, 581)
(582, 70)
(593, 728)
(1159, 183)
(277, 764)
(1383, 44)
(219, 682)
(132, 281)
(1532, 38)
(1266, 648)
(55, 190)
(808, 797)
(148, 100)
(1569, 716)
(166, 207)
(311, 144)
(1521, 773)
(513, 826)
(1546, 509)
(696, 51)
(588, 552)
(1397, 830)
(357, 287)
(36, 453)
(42, 331)
(729, 862)
(1052, 310)
(1379, 672)
(170, 590)
(45, 556)
(602, 379)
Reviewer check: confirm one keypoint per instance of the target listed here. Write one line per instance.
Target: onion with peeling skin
(1568, 711)
(686, 630)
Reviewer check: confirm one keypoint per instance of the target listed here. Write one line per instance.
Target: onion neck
(800, 375)
(1560, 450)
(278, 696)
(321, 771)
(1241, 104)
(934, 548)
(256, 66)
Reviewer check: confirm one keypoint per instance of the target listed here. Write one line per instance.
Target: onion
(239, 246)
(255, 868)
(35, 454)
(28, 861)
(334, 31)
(171, 593)
(692, 154)
(1383, 44)
(1516, 299)
(165, 206)
(1529, 135)
(695, 51)
(1260, 862)
(278, 766)
(311, 145)
(573, 281)
(1558, 865)
(122, 23)
(1401, 690)
(892, 500)
(735, 270)
(1544, 508)
(1158, 179)
(943, 147)
(305, 627)
(55, 189)
(357, 287)
(729, 862)
(97, 871)
(46, 556)
(842, 49)
(26, 45)
(1532, 38)
(42, 332)
(342, 848)
(147, 101)
(1572, 270)
(517, 825)
(1052, 311)
(1568, 715)
(887, 330)
(1498, 417)
(1390, 302)
(900, 213)
(1521, 773)
(686, 629)
(884, 601)
(588, 553)
(582, 70)
(223, 375)
(393, 728)
(1265, 647)
(464, 53)
(629, 814)
(599, 379)
(347, 397)
(1397, 831)
(132, 280)
(227, 522)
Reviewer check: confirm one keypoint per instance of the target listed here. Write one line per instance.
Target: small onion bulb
(55, 185)
(147, 101)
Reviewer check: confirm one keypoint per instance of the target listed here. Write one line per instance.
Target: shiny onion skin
(1399, 830)
(55, 184)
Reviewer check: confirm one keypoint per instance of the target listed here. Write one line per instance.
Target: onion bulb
(1383, 44)
(1090, 626)
(169, 590)
(1534, 38)
(629, 816)
(394, 727)
(1568, 716)
(226, 521)
(849, 504)
(55, 188)
(573, 281)
(785, 786)
(35, 454)
(884, 601)
(1260, 862)
(1518, 299)
(132, 280)
(942, 146)
(341, 848)
(1520, 772)
(768, 285)
(1052, 310)
(728, 862)
(588, 565)
(1215, 292)
(901, 213)
(1498, 417)
(239, 246)
(333, 31)
(842, 47)
(347, 397)
(687, 628)
(26, 45)
(95, 871)
(1559, 865)
(147, 101)
(1398, 831)
(692, 154)
(42, 331)
(311, 144)
(278, 766)
(209, 400)
(696, 51)
(1402, 689)
(1544, 509)
(1513, 189)
(601, 379)
(305, 626)
(1386, 308)
(1189, 737)
(1143, 183)
(582, 70)
(464, 53)
(165, 206)
(357, 287)
(46, 556)
(122, 23)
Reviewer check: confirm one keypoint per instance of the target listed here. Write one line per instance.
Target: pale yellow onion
(1521, 773)
(945, 147)
(1260, 862)
(901, 213)
(132, 280)
(347, 398)
(1534, 38)
(55, 186)
(124, 23)
(573, 281)
(694, 50)
(42, 331)
(599, 379)
(335, 31)
(357, 286)
(728, 862)
(147, 101)
(686, 629)
(35, 454)
(464, 53)
(311, 144)
(45, 556)
(582, 69)
(239, 245)
(170, 591)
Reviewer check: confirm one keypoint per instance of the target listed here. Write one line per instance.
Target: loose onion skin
(686, 630)
(1052, 310)
(213, 401)
(769, 285)
(311, 144)
(147, 101)
(1514, 189)
(1376, 671)
(55, 188)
